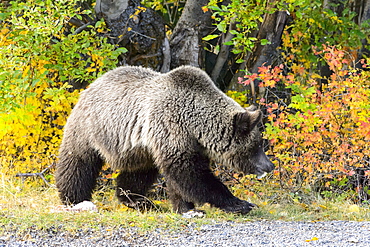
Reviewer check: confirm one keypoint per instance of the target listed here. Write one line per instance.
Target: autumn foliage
(41, 55)
(320, 136)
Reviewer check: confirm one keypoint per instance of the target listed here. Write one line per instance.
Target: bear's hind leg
(76, 175)
(132, 187)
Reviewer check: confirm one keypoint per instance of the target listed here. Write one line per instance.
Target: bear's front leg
(178, 204)
(192, 181)
(238, 206)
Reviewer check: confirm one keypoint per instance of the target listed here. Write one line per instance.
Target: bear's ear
(247, 120)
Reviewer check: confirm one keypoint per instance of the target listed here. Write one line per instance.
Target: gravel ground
(257, 233)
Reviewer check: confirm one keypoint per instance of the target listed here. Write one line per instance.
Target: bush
(321, 138)
(40, 55)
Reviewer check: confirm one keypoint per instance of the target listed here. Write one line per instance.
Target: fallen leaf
(312, 239)
(354, 208)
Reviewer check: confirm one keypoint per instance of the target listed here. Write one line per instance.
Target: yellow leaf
(156, 202)
(91, 69)
(316, 76)
(354, 208)
(312, 239)
(25, 71)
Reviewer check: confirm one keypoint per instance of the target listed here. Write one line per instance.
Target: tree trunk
(142, 32)
(364, 15)
(139, 29)
(186, 40)
(271, 29)
(223, 55)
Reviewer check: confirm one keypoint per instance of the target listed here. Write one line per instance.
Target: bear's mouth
(263, 165)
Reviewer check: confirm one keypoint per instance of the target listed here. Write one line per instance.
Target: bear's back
(184, 89)
(136, 107)
(181, 88)
(125, 77)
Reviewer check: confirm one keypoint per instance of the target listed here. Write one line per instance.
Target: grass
(25, 206)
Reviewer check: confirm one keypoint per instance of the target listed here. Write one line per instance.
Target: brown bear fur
(142, 122)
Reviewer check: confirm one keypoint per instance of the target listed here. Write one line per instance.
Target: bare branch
(166, 56)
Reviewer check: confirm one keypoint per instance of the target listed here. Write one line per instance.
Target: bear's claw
(241, 207)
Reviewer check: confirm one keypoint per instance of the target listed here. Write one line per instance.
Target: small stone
(193, 213)
(353, 240)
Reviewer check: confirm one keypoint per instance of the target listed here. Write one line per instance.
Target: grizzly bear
(143, 123)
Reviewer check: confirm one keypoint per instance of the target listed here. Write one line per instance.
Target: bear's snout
(262, 163)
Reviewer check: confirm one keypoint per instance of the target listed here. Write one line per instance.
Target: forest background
(305, 63)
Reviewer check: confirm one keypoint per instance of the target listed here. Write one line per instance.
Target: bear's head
(245, 152)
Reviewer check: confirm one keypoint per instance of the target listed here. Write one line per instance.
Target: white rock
(193, 214)
(85, 206)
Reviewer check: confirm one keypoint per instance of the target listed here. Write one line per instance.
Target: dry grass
(24, 206)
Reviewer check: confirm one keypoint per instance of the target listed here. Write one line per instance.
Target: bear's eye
(242, 126)
(241, 136)
(242, 131)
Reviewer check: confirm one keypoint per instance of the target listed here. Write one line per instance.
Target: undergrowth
(28, 205)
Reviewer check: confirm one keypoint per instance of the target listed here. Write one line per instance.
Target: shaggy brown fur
(142, 122)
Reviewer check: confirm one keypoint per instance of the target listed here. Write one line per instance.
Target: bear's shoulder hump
(189, 76)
